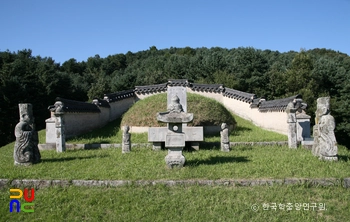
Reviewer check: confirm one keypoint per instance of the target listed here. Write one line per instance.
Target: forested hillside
(319, 72)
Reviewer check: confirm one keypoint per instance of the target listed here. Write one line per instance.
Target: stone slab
(193, 133)
(158, 134)
(175, 140)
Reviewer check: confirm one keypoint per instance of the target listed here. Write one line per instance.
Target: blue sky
(79, 29)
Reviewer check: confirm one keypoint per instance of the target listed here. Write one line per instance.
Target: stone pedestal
(175, 158)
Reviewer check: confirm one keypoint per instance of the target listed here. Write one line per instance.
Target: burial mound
(206, 111)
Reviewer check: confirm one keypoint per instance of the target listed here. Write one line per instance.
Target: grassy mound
(207, 112)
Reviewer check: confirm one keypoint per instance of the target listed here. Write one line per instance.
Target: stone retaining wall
(70, 146)
(38, 183)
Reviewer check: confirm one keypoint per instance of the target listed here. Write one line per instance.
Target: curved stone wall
(81, 117)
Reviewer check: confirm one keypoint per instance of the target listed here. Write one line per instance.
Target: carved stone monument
(225, 142)
(325, 144)
(175, 137)
(194, 135)
(126, 145)
(26, 151)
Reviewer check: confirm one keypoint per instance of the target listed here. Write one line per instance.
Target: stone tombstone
(126, 145)
(224, 134)
(26, 151)
(325, 144)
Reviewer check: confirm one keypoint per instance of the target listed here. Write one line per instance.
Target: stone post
(58, 110)
(292, 126)
(60, 135)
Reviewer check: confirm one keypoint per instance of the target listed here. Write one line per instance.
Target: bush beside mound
(206, 111)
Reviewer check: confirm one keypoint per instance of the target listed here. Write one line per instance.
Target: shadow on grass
(217, 160)
(109, 130)
(343, 158)
(241, 128)
(52, 160)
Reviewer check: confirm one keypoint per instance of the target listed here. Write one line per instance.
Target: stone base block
(23, 164)
(126, 148)
(175, 159)
(225, 147)
(329, 158)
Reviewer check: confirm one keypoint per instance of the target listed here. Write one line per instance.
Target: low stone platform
(37, 183)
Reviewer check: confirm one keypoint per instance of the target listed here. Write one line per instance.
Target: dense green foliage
(313, 73)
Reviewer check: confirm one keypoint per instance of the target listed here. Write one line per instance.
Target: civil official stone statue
(126, 146)
(224, 134)
(26, 151)
(325, 144)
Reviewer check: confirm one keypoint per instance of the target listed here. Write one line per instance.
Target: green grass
(144, 163)
(182, 203)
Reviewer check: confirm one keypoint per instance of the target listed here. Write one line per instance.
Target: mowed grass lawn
(184, 203)
(181, 203)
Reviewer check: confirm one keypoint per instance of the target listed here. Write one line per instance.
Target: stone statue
(26, 151)
(225, 142)
(175, 105)
(325, 144)
(126, 140)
